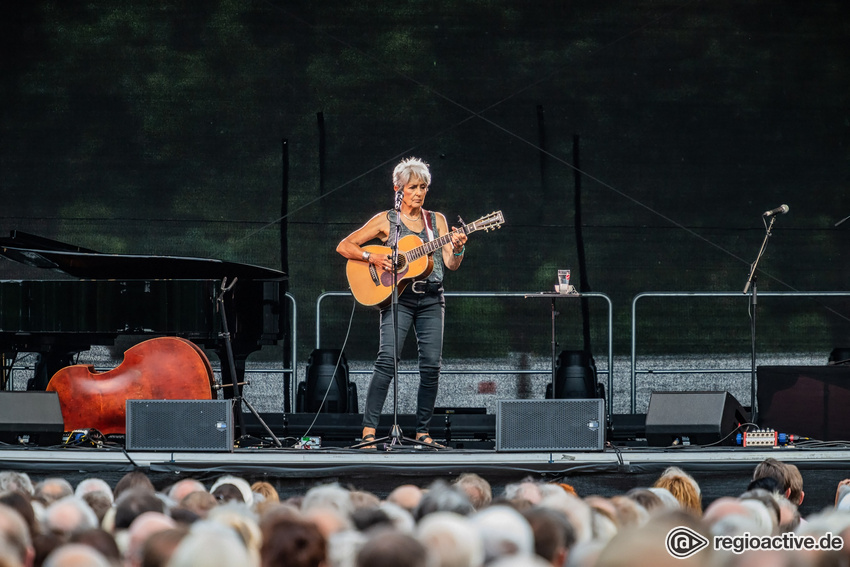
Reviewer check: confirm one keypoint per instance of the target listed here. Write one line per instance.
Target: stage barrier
(716, 294)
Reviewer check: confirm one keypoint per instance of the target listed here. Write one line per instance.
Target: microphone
(399, 195)
(780, 210)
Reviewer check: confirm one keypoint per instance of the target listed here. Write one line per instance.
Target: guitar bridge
(374, 273)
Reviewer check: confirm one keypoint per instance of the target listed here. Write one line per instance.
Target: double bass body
(164, 368)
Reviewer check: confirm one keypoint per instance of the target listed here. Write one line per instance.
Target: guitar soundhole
(402, 262)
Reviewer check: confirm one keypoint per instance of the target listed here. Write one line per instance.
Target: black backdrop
(160, 128)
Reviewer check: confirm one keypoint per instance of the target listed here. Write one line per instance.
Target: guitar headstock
(489, 222)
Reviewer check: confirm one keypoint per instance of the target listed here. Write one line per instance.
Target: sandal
(366, 438)
(426, 440)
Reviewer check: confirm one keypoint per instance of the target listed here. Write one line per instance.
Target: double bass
(163, 368)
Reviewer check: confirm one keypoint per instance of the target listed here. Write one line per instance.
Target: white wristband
(366, 256)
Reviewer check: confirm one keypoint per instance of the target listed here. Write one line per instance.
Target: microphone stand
(751, 282)
(237, 392)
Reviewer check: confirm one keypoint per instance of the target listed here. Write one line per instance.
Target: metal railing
(491, 294)
(634, 369)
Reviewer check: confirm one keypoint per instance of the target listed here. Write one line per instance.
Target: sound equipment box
(550, 425)
(33, 417)
(695, 418)
(179, 425)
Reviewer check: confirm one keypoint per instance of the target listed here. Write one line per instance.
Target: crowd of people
(453, 523)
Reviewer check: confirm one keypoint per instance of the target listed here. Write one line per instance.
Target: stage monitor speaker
(695, 418)
(31, 417)
(326, 386)
(179, 425)
(810, 401)
(550, 425)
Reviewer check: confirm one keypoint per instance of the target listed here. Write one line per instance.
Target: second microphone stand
(751, 283)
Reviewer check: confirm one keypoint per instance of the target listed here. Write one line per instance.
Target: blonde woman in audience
(683, 487)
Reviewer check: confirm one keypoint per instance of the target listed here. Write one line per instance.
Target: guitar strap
(429, 230)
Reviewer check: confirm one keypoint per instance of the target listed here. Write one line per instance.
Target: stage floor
(721, 471)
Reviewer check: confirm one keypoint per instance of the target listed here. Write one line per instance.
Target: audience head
(50, 490)
(764, 516)
(331, 496)
(789, 515)
(21, 503)
(668, 501)
(477, 489)
(683, 487)
(441, 497)
(16, 533)
(100, 540)
(553, 534)
(527, 492)
(76, 555)
(393, 549)
(13, 481)
(407, 496)
(268, 493)
(648, 499)
(401, 519)
(144, 526)
(211, 545)
(452, 539)
(577, 512)
(241, 520)
(795, 484)
(90, 485)
(293, 542)
(69, 515)
(772, 468)
(504, 531)
(180, 489)
(199, 503)
(160, 546)
(134, 502)
(230, 488)
(132, 480)
(629, 513)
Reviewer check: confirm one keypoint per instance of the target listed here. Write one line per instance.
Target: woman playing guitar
(420, 304)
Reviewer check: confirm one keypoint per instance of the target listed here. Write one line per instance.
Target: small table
(553, 296)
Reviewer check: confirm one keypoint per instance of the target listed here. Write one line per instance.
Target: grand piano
(125, 294)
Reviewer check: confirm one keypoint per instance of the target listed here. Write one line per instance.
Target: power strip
(759, 438)
(766, 438)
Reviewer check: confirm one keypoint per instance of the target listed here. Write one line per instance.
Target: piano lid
(87, 264)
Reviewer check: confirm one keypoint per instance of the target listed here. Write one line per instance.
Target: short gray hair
(408, 168)
(14, 481)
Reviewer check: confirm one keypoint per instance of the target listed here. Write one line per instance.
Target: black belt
(424, 286)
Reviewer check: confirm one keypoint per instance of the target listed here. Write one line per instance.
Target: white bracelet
(366, 256)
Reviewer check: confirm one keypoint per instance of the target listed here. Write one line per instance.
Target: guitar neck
(432, 246)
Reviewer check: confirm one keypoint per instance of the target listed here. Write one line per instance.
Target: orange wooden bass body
(164, 368)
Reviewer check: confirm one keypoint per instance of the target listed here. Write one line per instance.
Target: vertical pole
(582, 260)
(320, 123)
(284, 267)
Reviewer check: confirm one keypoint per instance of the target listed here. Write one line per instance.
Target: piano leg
(48, 364)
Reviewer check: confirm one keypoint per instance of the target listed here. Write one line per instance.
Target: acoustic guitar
(373, 286)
